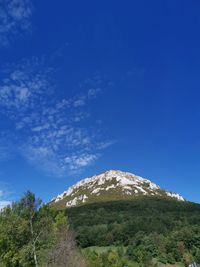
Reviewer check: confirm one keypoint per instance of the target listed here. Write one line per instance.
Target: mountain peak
(110, 185)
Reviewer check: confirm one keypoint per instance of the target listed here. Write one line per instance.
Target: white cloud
(76, 162)
(15, 18)
(79, 102)
(3, 199)
(19, 9)
(23, 86)
(93, 92)
(105, 144)
(4, 203)
(41, 128)
(49, 131)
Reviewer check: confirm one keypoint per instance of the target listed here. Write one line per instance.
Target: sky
(88, 86)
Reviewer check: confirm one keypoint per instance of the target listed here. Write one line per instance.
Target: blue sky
(87, 86)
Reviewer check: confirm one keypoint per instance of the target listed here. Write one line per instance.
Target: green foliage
(145, 232)
(23, 224)
(115, 257)
(150, 228)
(32, 234)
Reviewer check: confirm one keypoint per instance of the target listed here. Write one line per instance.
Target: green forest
(144, 232)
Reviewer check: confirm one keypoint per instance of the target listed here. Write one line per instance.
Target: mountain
(114, 223)
(108, 186)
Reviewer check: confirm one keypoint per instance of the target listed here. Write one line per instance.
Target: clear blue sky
(87, 86)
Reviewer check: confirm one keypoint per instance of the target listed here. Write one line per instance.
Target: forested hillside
(146, 232)
(148, 228)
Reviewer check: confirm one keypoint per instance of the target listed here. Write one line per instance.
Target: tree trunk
(33, 243)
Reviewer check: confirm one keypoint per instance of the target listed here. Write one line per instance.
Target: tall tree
(30, 205)
(64, 252)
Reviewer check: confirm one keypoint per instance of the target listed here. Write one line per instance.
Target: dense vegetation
(32, 234)
(148, 228)
(144, 232)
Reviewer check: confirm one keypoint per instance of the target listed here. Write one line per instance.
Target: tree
(29, 206)
(25, 232)
(187, 259)
(180, 249)
(64, 252)
(14, 237)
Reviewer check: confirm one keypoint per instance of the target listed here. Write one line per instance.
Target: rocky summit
(109, 186)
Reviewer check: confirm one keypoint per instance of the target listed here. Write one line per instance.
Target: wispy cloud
(56, 134)
(79, 161)
(104, 144)
(3, 199)
(4, 203)
(15, 18)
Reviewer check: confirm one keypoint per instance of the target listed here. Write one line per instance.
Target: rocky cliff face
(108, 186)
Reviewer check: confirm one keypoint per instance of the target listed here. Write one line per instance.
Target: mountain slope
(108, 186)
(122, 222)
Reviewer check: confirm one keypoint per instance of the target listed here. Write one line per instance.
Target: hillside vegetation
(145, 232)
(148, 228)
